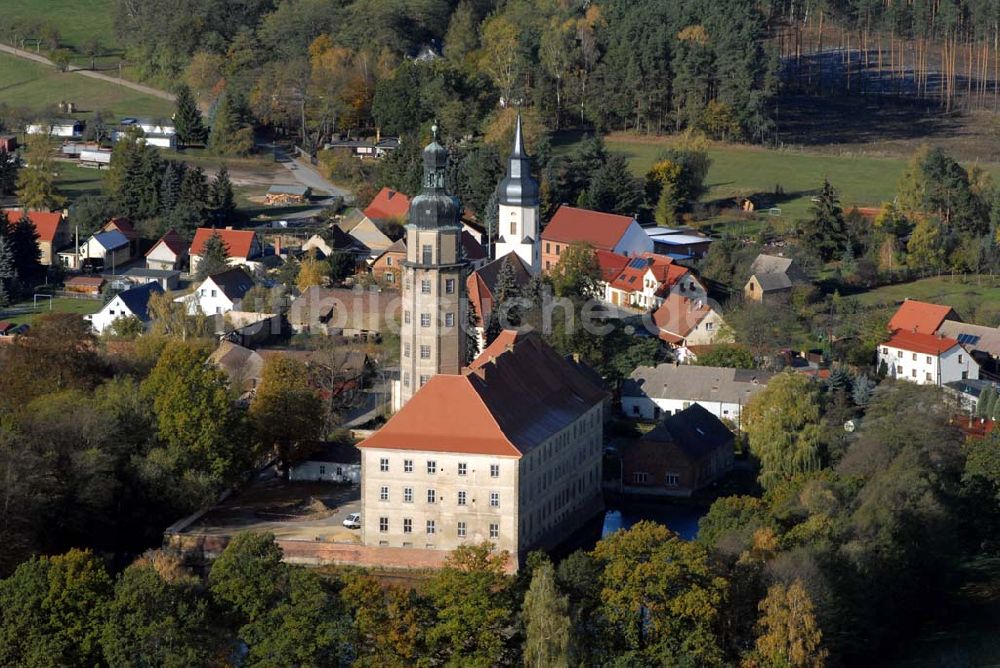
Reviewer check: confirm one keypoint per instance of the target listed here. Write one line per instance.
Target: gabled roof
(974, 337)
(916, 342)
(921, 317)
(236, 361)
(473, 249)
(137, 299)
(694, 431)
(388, 203)
(111, 240)
(610, 264)
(664, 271)
(695, 383)
(505, 341)
(234, 283)
(239, 243)
(339, 240)
(123, 225)
(482, 282)
(174, 243)
(505, 407)
(46, 224)
(679, 316)
(774, 272)
(603, 231)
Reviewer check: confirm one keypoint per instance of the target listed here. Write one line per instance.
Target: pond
(679, 518)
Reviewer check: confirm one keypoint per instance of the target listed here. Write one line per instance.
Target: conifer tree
(170, 186)
(471, 340)
(10, 164)
(221, 197)
(505, 292)
(230, 133)
(187, 118)
(214, 256)
(826, 232)
(23, 238)
(7, 271)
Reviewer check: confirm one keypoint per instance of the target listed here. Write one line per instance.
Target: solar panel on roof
(637, 263)
(968, 339)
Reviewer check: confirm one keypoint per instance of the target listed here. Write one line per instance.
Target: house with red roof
(685, 323)
(124, 225)
(53, 231)
(921, 317)
(648, 279)
(481, 287)
(509, 452)
(926, 358)
(388, 203)
(602, 231)
(169, 253)
(242, 246)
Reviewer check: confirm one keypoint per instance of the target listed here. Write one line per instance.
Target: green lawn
(40, 88)
(74, 181)
(966, 295)
(25, 311)
(76, 20)
(744, 170)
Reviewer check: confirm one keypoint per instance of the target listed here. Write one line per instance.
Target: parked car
(353, 521)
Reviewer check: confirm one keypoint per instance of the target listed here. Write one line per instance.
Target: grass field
(967, 296)
(25, 312)
(76, 20)
(75, 181)
(39, 88)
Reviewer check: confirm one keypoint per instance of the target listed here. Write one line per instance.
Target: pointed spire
(518, 140)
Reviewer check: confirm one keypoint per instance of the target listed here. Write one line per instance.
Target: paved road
(307, 175)
(142, 88)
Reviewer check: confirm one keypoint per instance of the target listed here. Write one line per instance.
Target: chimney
(229, 227)
(277, 245)
(378, 135)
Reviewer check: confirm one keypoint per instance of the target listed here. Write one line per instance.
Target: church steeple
(519, 188)
(434, 206)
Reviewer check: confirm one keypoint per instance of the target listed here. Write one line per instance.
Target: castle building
(433, 283)
(518, 220)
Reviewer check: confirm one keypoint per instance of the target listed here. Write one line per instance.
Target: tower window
(406, 349)
(423, 380)
(449, 319)
(406, 379)
(425, 352)
(425, 286)
(426, 251)
(406, 317)
(425, 319)
(513, 227)
(449, 285)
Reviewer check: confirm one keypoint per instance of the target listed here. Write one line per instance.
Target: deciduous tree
(548, 628)
(287, 412)
(36, 187)
(789, 635)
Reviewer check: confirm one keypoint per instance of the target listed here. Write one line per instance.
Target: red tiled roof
(505, 341)
(388, 203)
(927, 344)
(664, 271)
(173, 241)
(603, 231)
(123, 225)
(508, 405)
(6, 326)
(481, 282)
(677, 316)
(46, 224)
(610, 264)
(85, 282)
(920, 317)
(238, 242)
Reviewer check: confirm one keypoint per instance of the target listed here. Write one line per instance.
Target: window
(899, 370)
(407, 525)
(214, 293)
(449, 319)
(494, 499)
(513, 227)
(431, 496)
(406, 379)
(494, 530)
(461, 529)
(423, 379)
(383, 465)
(340, 471)
(407, 495)
(322, 470)
(885, 351)
(672, 480)
(388, 260)
(432, 466)
(406, 317)
(899, 354)
(383, 525)
(635, 410)
(913, 373)
(640, 477)
(407, 466)
(461, 498)
(425, 319)
(449, 285)
(927, 376)
(406, 349)
(383, 494)
(708, 326)
(914, 357)
(494, 470)
(426, 252)
(557, 249)
(463, 468)
(390, 277)
(960, 361)
(425, 286)
(430, 526)
(929, 359)
(425, 352)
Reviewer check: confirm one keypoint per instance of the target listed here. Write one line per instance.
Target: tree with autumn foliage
(286, 411)
(789, 635)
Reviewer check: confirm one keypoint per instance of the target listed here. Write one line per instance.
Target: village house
(475, 253)
(685, 452)
(968, 392)
(926, 359)
(610, 265)
(388, 204)
(168, 279)
(387, 268)
(242, 366)
(124, 225)
(509, 451)
(53, 232)
(243, 246)
(772, 278)
(133, 302)
(651, 392)
(921, 317)
(648, 279)
(342, 311)
(335, 241)
(65, 128)
(218, 294)
(366, 231)
(686, 324)
(982, 342)
(364, 148)
(602, 231)
(481, 287)
(84, 285)
(332, 462)
(169, 253)
(103, 250)
(678, 245)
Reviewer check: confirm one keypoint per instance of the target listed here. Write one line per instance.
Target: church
(507, 449)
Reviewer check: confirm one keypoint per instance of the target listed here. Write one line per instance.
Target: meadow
(974, 298)
(39, 89)
(26, 312)
(76, 20)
